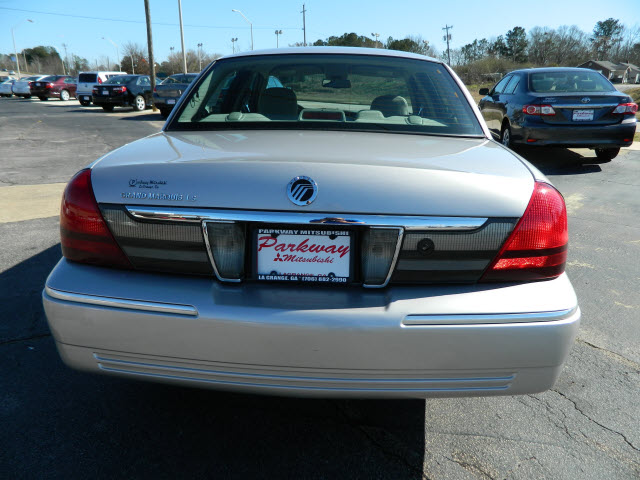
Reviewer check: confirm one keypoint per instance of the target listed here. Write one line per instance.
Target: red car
(54, 86)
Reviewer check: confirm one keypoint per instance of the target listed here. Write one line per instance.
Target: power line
(84, 17)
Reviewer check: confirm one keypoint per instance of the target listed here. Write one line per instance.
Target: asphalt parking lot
(59, 423)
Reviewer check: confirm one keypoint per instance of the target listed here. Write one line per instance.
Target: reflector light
(378, 250)
(226, 245)
(538, 110)
(625, 108)
(531, 140)
(537, 247)
(84, 234)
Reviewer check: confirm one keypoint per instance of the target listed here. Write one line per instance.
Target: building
(615, 72)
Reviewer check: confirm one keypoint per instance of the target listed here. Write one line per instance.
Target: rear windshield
(87, 78)
(121, 79)
(569, 81)
(327, 91)
(50, 78)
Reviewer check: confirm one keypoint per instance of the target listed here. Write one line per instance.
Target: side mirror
(484, 91)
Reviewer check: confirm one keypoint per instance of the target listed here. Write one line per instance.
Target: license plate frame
(86, 97)
(583, 115)
(105, 92)
(171, 101)
(290, 245)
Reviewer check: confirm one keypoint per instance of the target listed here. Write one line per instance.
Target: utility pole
(447, 37)
(200, 56)
(66, 57)
(278, 33)
(233, 44)
(304, 23)
(184, 53)
(152, 63)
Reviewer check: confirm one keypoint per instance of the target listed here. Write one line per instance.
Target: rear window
(120, 79)
(569, 81)
(50, 78)
(87, 78)
(328, 92)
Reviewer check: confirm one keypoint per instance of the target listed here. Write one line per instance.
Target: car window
(513, 84)
(120, 80)
(329, 92)
(87, 78)
(143, 81)
(501, 84)
(569, 81)
(69, 80)
(169, 80)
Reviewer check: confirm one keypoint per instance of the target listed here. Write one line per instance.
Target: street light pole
(15, 50)
(184, 53)
(250, 24)
(376, 35)
(117, 51)
(278, 33)
(200, 56)
(233, 44)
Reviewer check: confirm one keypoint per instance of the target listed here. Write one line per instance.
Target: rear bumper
(568, 136)
(400, 342)
(159, 101)
(115, 101)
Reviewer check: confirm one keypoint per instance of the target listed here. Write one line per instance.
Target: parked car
(355, 232)
(167, 93)
(88, 80)
(22, 88)
(5, 88)
(54, 86)
(4, 78)
(561, 107)
(122, 91)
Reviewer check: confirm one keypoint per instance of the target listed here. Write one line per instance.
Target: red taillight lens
(538, 110)
(30, 84)
(537, 247)
(84, 234)
(625, 108)
(49, 85)
(119, 89)
(99, 80)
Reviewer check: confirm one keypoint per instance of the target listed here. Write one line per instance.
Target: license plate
(38, 84)
(582, 115)
(171, 101)
(86, 98)
(105, 92)
(298, 255)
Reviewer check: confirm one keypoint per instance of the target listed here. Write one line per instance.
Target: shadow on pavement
(149, 117)
(560, 161)
(20, 290)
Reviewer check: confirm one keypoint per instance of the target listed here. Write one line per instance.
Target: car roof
(550, 70)
(379, 52)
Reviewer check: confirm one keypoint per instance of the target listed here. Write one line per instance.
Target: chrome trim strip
(392, 267)
(584, 106)
(155, 307)
(210, 254)
(489, 319)
(407, 222)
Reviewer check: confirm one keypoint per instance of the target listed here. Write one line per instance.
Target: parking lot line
(27, 202)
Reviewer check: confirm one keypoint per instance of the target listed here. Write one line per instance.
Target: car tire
(107, 108)
(44, 99)
(85, 103)
(139, 103)
(64, 95)
(607, 154)
(505, 136)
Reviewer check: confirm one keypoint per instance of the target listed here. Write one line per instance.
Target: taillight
(49, 85)
(99, 80)
(625, 108)
(30, 84)
(119, 89)
(95, 89)
(538, 110)
(537, 247)
(84, 234)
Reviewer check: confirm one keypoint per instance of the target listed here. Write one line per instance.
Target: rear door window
(499, 88)
(87, 78)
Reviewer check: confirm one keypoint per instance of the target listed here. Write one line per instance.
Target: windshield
(120, 80)
(569, 81)
(328, 91)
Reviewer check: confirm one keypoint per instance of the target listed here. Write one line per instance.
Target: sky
(212, 22)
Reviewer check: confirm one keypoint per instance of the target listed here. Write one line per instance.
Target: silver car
(352, 231)
(21, 87)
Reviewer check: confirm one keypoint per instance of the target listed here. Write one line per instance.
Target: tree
(134, 59)
(498, 48)
(516, 43)
(413, 44)
(607, 36)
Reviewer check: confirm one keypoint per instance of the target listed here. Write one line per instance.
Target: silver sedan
(349, 230)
